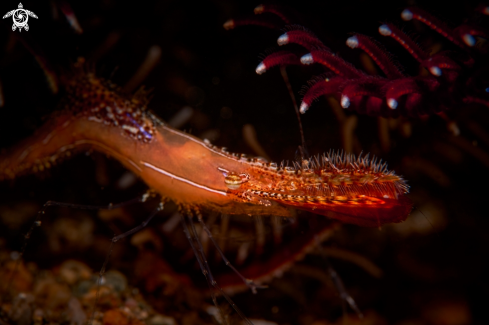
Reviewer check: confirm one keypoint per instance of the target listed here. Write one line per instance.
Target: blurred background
(428, 270)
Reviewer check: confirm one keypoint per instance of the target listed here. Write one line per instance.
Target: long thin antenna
(285, 76)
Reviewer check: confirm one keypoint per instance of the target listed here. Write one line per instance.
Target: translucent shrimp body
(194, 173)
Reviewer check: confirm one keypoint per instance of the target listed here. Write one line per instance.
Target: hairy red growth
(398, 88)
(378, 54)
(322, 87)
(277, 10)
(432, 22)
(302, 37)
(279, 58)
(391, 30)
(370, 87)
(455, 77)
(333, 63)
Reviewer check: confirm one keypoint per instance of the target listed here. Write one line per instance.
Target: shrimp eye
(233, 181)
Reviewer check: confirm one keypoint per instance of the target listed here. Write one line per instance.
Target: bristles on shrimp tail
(360, 191)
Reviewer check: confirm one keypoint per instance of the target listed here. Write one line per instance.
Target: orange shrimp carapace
(194, 173)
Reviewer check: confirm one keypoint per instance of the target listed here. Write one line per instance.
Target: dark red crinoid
(446, 79)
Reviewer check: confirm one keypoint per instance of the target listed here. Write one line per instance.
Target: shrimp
(197, 175)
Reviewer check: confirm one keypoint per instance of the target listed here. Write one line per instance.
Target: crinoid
(447, 79)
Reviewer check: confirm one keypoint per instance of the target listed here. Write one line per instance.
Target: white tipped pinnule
(469, 40)
(345, 101)
(304, 107)
(283, 39)
(436, 71)
(258, 9)
(352, 42)
(392, 103)
(407, 15)
(261, 68)
(229, 24)
(307, 59)
(384, 30)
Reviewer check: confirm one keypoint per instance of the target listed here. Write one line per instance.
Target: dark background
(435, 264)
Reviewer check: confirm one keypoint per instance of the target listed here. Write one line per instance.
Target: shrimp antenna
(302, 149)
(195, 243)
